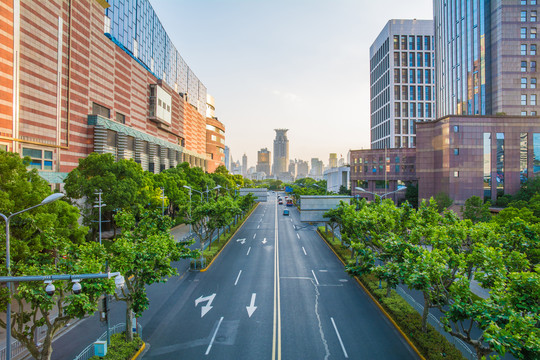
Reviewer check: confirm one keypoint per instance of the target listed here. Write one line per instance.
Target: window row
(532, 33)
(413, 76)
(532, 99)
(412, 110)
(381, 168)
(533, 113)
(532, 84)
(404, 126)
(39, 159)
(404, 142)
(532, 16)
(410, 59)
(412, 42)
(531, 2)
(412, 92)
(532, 66)
(532, 49)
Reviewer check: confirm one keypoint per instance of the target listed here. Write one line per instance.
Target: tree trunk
(46, 350)
(129, 320)
(425, 313)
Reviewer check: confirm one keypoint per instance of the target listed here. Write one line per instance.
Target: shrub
(120, 349)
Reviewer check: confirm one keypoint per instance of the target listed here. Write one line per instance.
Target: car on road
(286, 212)
(280, 202)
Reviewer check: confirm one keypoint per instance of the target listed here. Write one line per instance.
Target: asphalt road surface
(275, 292)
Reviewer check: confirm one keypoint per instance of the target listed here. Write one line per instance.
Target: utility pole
(99, 205)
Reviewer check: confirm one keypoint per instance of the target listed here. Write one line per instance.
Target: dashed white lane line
(213, 337)
(297, 235)
(316, 281)
(254, 235)
(304, 251)
(238, 277)
(248, 251)
(339, 338)
(258, 226)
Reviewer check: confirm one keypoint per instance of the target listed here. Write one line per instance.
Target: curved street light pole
(7, 219)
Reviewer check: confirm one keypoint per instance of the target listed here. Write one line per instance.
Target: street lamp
(47, 200)
(320, 187)
(163, 197)
(208, 190)
(190, 189)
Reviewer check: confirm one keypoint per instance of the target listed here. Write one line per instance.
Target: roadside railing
(88, 351)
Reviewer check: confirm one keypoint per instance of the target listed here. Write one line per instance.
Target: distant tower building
(292, 168)
(281, 152)
(227, 152)
(316, 167)
(402, 82)
(244, 165)
(302, 169)
(263, 161)
(332, 161)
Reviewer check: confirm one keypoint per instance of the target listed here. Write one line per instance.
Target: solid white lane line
(238, 277)
(298, 236)
(304, 251)
(316, 281)
(258, 226)
(213, 337)
(248, 251)
(339, 338)
(254, 235)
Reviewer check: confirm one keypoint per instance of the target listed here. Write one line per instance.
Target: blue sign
(288, 189)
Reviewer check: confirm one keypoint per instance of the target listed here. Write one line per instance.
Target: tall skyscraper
(302, 169)
(281, 152)
(486, 57)
(244, 165)
(263, 161)
(227, 152)
(401, 79)
(332, 160)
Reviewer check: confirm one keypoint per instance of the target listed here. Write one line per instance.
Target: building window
(405, 110)
(396, 42)
(533, 33)
(121, 118)
(487, 165)
(533, 83)
(412, 74)
(523, 99)
(419, 60)
(533, 99)
(533, 113)
(403, 42)
(523, 83)
(456, 128)
(404, 58)
(533, 2)
(533, 49)
(523, 157)
(39, 159)
(404, 76)
(396, 76)
(500, 161)
(456, 151)
(396, 59)
(411, 42)
(412, 93)
(411, 59)
(397, 109)
(523, 113)
(523, 33)
(419, 43)
(405, 126)
(100, 110)
(523, 49)
(523, 66)
(523, 2)
(427, 76)
(420, 92)
(523, 17)
(404, 93)
(533, 66)
(427, 58)
(533, 16)
(427, 43)
(456, 173)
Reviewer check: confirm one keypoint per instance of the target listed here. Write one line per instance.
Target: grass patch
(432, 345)
(120, 349)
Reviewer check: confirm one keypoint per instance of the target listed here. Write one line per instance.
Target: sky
(301, 65)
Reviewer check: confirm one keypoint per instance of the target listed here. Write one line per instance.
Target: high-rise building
(302, 169)
(263, 161)
(102, 76)
(215, 137)
(332, 160)
(401, 79)
(244, 165)
(281, 152)
(486, 57)
(316, 167)
(292, 168)
(227, 152)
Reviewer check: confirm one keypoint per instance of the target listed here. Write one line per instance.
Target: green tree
(143, 253)
(475, 210)
(443, 201)
(411, 194)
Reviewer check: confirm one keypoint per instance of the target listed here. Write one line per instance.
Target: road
(275, 292)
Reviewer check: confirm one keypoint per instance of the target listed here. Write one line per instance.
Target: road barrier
(88, 351)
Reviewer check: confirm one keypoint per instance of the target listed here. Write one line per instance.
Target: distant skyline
(296, 64)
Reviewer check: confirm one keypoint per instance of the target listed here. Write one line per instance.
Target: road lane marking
(251, 308)
(254, 235)
(339, 338)
(264, 241)
(238, 277)
(248, 251)
(298, 236)
(316, 281)
(213, 337)
(304, 251)
(258, 226)
(276, 331)
(205, 308)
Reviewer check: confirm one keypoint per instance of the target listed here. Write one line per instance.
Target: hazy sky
(296, 64)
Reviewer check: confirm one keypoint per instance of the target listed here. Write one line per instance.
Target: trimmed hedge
(432, 345)
(120, 349)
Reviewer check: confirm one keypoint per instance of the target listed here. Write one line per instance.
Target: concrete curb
(139, 352)
(228, 241)
(376, 302)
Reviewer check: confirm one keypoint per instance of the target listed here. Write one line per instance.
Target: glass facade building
(486, 57)
(402, 82)
(136, 28)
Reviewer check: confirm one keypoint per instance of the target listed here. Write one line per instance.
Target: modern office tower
(402, 82)
(244, 165)
(332, 160)
(292, 168)
(302, 169)
(215, 137)
(96, 76)
(486, 57)
(227, 153)
(263, 161)
(316, 167)
(281, 152)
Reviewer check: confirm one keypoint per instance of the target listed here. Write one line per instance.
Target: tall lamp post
(47, 200)
(163, 197)
(208, 190)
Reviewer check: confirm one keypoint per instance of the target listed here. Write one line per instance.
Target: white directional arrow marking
(251, 308)
(205, 308)
(264, 241)
(241, 241)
